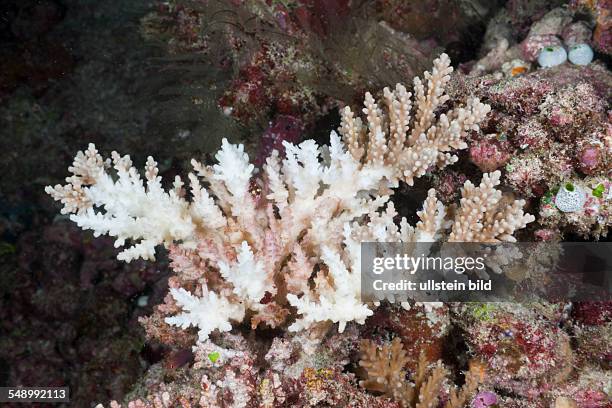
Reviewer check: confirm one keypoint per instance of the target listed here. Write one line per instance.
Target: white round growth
(570, 198)
(581, 54)
(142, 301)
(552, 56)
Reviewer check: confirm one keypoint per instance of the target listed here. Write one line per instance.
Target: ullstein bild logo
(476, 272)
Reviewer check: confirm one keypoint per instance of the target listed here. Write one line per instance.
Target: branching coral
(132, 211)
(239, 248)
(284, 246)
(410, 146)
(385, 373)
(485, 215)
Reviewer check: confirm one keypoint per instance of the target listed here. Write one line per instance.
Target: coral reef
(548, 128)
(246, 246)
(255, 299)
(252, 245)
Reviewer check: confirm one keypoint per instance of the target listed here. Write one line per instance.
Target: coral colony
(246, 246)
(264, 307)
(253, 253)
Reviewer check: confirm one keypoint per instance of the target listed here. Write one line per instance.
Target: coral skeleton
(283, 248)
(411, 146)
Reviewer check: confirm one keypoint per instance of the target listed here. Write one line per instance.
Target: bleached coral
(244, 245)
(289, 239)
(410, 146)
(197, 312)
(336, 303)
(148, 215)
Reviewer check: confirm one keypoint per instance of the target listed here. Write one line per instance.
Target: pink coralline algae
(518, 346)
(591, 159)
(484, 399)
(601, 12)
(490, 153)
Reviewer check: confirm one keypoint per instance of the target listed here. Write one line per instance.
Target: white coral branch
(338, 302)
(208, 313)
(247, 275)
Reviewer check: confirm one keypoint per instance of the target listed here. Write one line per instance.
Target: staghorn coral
(485, 215)
(261, 247)
(246, 253)
(410, 146)
(385, 373)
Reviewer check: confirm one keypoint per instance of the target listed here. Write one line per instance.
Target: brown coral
(385, 373)
(412, 145)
